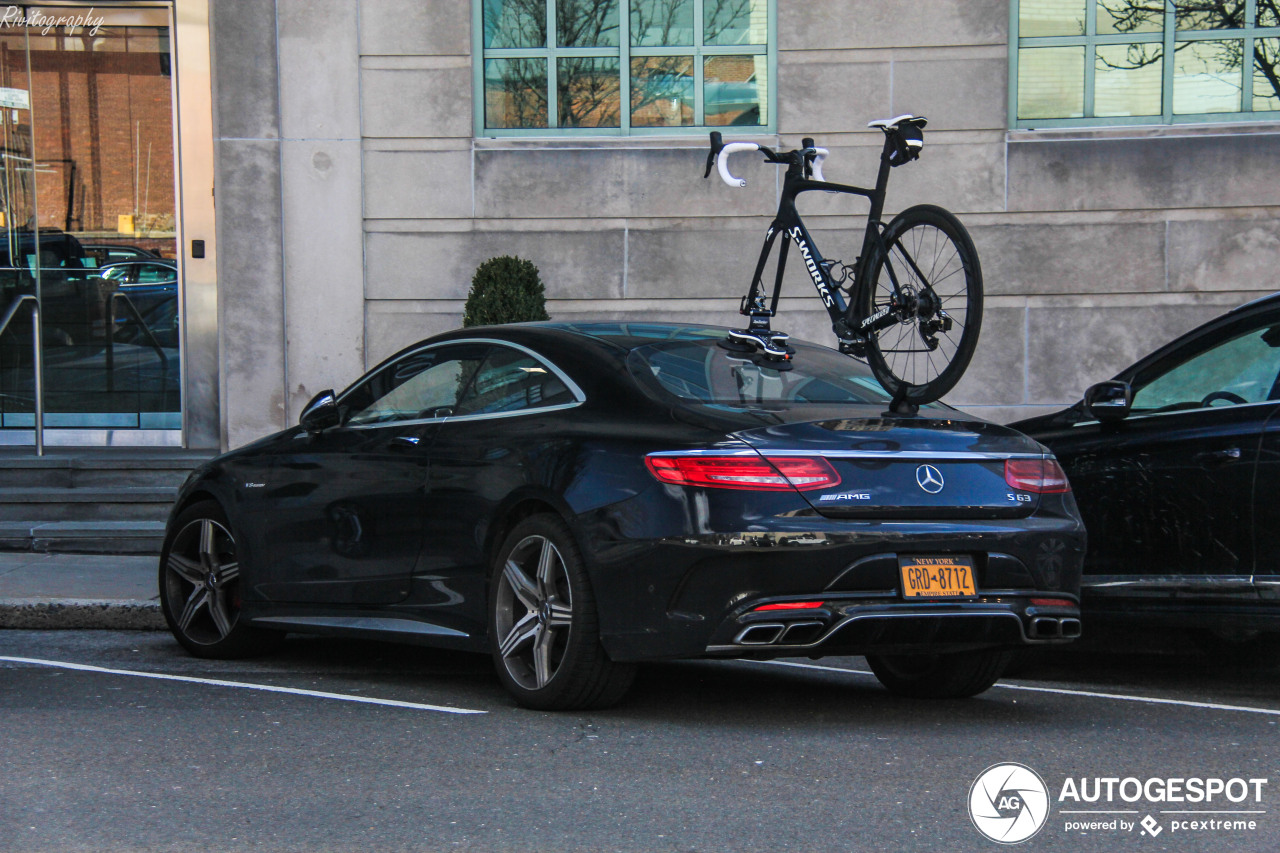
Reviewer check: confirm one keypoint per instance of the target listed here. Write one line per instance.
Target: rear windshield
(703, 372)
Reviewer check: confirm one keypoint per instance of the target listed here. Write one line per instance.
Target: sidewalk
(79, 591)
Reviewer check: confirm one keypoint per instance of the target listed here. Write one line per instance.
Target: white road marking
(1151, 700)
(269, 688)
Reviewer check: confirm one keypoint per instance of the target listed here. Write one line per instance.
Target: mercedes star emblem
(929, 479)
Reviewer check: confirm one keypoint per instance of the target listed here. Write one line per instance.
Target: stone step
(123, 503)
(66, 470)
(83, 537)
(90, 500)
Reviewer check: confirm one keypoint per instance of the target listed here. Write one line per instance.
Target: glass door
(89, 220)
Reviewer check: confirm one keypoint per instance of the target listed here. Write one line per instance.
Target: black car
(1173, 464)
(574, 498)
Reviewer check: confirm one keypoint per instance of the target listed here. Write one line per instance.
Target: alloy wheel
(534, 612)
(202, 576)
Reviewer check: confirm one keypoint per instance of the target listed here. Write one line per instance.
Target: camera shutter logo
(1008, 803)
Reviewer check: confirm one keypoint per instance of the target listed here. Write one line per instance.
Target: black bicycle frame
(844, 317)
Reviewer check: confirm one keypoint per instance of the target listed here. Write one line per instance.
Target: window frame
(1169, 37)
(578, 396)
(624, 52)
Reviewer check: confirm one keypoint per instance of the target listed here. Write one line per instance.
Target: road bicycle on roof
(910, 303)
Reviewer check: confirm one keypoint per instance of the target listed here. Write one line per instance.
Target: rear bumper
(894, 627)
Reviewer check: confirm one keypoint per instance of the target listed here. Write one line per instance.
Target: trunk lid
(905, 468)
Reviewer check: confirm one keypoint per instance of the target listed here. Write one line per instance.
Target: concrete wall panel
(250, 295)
(963, 177)
(246, 101)
(996, 374)
(415, 27)
(417, 184)
(692, 259)
(1071, 348)
(1230, 254)
(391, 325)
(1163, 172)
(319, 69)
(875, 23)
(434, 102)
(573, 264)
(614, 181)
(324, 299)
(954, 94)
(831, 97)
(1071, 258)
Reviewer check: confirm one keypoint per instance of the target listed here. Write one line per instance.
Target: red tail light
(1041, 476)
(789, 605)
(754, 473)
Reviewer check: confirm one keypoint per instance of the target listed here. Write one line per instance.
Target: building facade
(340, 167)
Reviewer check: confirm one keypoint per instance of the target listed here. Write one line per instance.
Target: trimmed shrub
(505, 290)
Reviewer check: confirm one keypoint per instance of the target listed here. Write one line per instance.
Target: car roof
(624, 336)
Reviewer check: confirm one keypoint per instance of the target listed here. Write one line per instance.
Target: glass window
(1099, 62)
(423, 384)
(702, 371)
(620, 67)
(1240, 370)
(510, 381)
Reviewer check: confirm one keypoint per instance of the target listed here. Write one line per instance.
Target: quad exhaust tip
(760, 635)
(1053, 627)
(790, 634)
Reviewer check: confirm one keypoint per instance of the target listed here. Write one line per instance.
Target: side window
(1242, 369)
(155, 274)
(423, 384)
(510, 381)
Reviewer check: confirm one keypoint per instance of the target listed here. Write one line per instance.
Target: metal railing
(136, 316)
(37, 359)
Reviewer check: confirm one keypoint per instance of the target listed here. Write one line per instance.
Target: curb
(81, 613)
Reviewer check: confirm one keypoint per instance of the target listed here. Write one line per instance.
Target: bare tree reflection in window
(515, 93)
(515, 23)
(587, 88)
(660, 23)
(1135, 16)
(587, 23)
(727, 21)
(587, 91)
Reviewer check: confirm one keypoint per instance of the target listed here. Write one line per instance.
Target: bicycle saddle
(899, 122)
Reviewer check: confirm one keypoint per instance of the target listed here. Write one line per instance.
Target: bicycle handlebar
(722, 161)
(721, 152)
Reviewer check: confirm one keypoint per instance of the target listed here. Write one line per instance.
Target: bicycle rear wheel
(937, 309)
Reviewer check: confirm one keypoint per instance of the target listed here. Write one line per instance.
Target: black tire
(200, 582)
(543, 626)
(924, 240)
(945, 676)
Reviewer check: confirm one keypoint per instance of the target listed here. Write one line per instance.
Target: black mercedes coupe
(577, 497)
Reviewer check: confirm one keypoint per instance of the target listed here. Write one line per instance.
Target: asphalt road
(703, 756)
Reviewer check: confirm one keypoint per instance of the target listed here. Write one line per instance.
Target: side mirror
(1109, 401)
(321, 413)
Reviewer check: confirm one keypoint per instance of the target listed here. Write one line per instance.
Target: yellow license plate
(937, 577)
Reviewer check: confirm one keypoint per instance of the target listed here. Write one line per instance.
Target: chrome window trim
(579, 396)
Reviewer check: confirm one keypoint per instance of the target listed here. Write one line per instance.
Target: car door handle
(1218, 457)
(404, 442)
